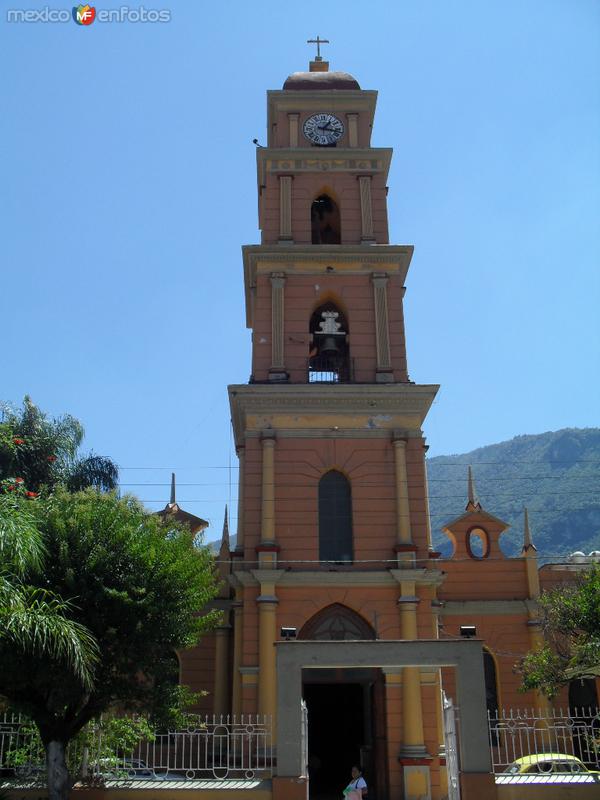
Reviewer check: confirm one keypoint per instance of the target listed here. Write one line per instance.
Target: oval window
(477, 543)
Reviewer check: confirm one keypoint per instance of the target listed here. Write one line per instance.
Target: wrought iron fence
(217, 747)
(530, 741)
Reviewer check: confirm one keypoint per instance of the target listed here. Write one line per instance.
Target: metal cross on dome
(318, 42)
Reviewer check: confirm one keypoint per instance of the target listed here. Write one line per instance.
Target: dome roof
(312, 81)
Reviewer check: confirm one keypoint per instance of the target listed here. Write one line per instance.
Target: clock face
(323, 129)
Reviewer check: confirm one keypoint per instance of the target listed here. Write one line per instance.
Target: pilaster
(293, 128)
(366, 209)
(239, 542)
(277, 371)
(267, 549)
(384, 373)
(352, 129)
(405, 548)
(285, 208)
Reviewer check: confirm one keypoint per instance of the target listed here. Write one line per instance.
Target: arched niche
(335, 518)
(337, 623)
(325, 223)
(329, 356)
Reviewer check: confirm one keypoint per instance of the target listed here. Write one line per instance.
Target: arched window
(325, 221)
(335, 518)
(328, 360)
(337, 623)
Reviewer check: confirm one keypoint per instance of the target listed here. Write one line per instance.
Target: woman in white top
(357, 788)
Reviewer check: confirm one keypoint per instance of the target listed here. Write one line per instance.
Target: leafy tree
(570, 617)
(138, 587)
(43, 452)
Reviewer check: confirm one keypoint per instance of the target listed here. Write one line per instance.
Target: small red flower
(10, 488)
(51, 458)
(31, 494)
(19, 480)
(19, 441)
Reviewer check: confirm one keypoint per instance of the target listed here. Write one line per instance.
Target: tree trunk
(59, 782)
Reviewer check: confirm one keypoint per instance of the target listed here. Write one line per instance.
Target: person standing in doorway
(357, 788)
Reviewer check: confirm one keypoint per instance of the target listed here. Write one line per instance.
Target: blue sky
(128, 187)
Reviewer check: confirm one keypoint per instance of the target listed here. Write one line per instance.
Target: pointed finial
(172, 488)
(473, 503)
(225, 536)
(527, 543)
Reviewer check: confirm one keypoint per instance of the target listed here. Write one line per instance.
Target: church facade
(333, 537)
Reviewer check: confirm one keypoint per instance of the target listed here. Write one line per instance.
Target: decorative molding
(310, 578)
(489, 608)
(310, 159)
(366, 400)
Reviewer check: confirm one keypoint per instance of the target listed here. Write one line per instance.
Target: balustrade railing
(215, 747)
(533, 742)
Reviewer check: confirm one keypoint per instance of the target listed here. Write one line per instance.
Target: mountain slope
(556, 475)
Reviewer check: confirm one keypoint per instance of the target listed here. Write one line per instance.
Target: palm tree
(32, 619)
(43, 452)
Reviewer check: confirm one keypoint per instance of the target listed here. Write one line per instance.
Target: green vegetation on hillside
(556, 475)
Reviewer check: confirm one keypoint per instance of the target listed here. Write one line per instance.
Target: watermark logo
(84, 15)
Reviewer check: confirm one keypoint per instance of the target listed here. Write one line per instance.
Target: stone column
(238, 621)
(413, 756)
(384, 372)
(277, 371)
(366, 209)
(352, 129)
(293, 123)
(285, 208)
(267, 636)
(404, 543)
(221, 670)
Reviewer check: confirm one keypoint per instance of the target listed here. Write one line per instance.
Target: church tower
(333, 534)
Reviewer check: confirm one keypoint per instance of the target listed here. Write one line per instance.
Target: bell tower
(333, 507)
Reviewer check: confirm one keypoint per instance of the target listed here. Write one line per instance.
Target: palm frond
(34, 620)
(95, 472)
(21, 545)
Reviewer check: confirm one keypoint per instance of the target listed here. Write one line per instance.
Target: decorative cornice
(430, 577)
(314, 259)
(373, 401)
(364, 160)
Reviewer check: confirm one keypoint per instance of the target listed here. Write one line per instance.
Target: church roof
(311, 81)
(173, 511)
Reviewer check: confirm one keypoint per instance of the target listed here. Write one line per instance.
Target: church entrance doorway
(343, 708)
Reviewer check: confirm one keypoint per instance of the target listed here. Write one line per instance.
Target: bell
(330, 346)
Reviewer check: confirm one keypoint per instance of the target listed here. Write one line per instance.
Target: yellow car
(548, 764)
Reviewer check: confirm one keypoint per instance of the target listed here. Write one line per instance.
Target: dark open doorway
(344, 707)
